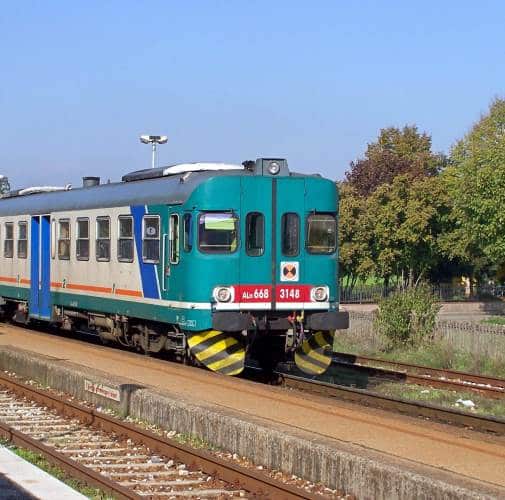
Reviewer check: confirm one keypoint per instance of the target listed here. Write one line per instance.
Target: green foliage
(407, 317)
(476, 184)
(395, 231)
(494, 320)
(42, 463)
(396, 152)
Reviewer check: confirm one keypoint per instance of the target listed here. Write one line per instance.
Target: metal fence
(466, 336)
(446, 292)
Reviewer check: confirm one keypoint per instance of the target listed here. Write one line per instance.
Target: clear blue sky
(234, 80)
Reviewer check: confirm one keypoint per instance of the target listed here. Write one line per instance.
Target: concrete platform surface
(362, 451)
(31, 482)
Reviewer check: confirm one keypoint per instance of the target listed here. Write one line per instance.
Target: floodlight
(154, 140)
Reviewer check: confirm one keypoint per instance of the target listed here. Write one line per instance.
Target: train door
(171, 244)
(290, 263)
(40, 266)
(257, 260)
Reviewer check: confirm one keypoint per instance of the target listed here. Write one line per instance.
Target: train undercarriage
(267, 338)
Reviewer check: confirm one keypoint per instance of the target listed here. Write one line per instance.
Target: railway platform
(366, 452)
(21, 480)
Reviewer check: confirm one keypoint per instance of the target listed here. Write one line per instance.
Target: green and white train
(208, 261)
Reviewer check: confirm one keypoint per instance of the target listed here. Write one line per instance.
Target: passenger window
(218, 232)
(255, 234)
(64, 239)
(22, 240)
(103, 239)
(125, 244)
(174, 239)
(9, 240)
(188, 232)
(82, 247)
(290, 230)
(151, 239)
(321, 233)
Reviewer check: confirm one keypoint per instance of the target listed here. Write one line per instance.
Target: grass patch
(40, 462)
(444, 398)
(494, 320)
(434, 354)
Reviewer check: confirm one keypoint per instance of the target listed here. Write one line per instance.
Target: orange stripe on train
(130, 293)
(8, 279)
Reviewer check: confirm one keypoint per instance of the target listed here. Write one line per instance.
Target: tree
(355, 232)
(476, 184)
(409, 217)
(396, 152)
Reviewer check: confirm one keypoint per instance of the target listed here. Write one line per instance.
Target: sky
(312, 82)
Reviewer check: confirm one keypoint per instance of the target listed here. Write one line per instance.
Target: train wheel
(218, 351)
(311, 356)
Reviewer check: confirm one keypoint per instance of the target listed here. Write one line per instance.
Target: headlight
(222, 294)
(274, 168)
(320, 293)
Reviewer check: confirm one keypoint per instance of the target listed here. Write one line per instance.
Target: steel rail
(412, 408)
(492, 387)
(257, 483)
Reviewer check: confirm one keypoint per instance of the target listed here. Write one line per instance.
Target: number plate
(293, 293)
(253, 293)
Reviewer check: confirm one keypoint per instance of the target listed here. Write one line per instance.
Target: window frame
(298, 233)
(144, 238)
(98, 239)
(248, 249)
(174, 235)
(237, 232)
(332, 215)
(7, 240)
(130, 238)
(69, 239)
(22, 255)
(78, 238)
(188, 239)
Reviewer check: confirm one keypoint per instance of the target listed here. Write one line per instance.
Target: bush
(407, 318)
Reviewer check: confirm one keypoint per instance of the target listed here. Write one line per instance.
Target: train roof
(166, 185)
(174, 189)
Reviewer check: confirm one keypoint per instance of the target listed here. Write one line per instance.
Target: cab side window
(174, 239)
(188, 232)
(290, 234)
(321, 233)
(255, 234)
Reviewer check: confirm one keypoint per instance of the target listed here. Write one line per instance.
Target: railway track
(122, 459)
(490, 387)
(411, 408)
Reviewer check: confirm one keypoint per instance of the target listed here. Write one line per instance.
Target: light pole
(154, 140)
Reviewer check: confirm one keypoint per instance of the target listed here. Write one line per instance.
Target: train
(211, 263)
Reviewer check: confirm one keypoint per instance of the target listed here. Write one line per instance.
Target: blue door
(40, 268)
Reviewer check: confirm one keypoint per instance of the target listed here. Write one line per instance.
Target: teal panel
(290, 198)
(321, 196)
(189, 319)
(14, 292)
(256, 197)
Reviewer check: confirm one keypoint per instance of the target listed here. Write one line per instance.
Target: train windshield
(218, 232)
(321, 233)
